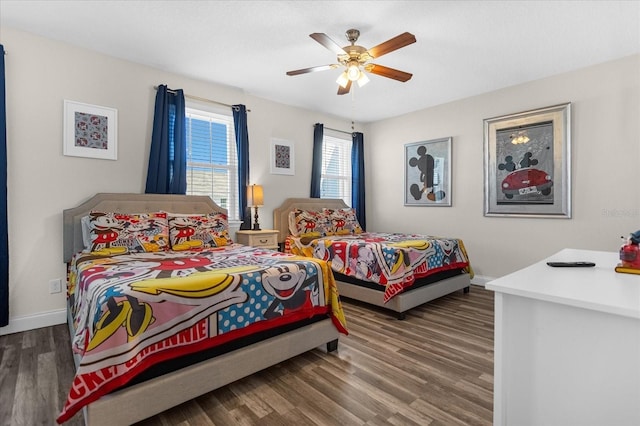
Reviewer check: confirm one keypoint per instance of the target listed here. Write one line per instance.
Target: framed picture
(90, 131)
(427, 173)
(282, 157)
(527, 162)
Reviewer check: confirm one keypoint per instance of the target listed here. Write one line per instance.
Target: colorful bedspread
(132, 311)
(392, 260)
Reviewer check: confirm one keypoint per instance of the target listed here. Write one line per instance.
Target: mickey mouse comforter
(134, 310)
(392, 260)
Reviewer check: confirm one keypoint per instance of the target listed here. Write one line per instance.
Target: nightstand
(265, 238)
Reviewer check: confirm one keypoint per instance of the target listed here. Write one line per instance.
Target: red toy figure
(630, 252)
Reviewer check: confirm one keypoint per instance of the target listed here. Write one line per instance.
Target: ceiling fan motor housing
(354, 52)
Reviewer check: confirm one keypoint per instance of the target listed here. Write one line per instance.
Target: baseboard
(31, 322)
(481, 280)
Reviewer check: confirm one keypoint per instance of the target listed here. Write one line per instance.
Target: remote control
(571, 264)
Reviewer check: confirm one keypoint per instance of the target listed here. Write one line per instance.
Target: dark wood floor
(433, 368)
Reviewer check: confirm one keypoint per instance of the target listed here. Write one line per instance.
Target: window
(335, 181)
(212, 160)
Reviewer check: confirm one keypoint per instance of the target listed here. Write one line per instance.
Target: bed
(157, 327)
(417, 287)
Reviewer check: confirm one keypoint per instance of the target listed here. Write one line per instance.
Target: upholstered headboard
(128, 203)
(281, 214)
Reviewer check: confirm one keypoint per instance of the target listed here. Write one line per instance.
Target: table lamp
(255, 199)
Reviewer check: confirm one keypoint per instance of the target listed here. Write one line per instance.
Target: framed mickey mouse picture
(527, 163)
(427, 177)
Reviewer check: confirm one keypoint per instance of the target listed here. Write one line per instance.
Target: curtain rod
(340, 131)
(198, 98)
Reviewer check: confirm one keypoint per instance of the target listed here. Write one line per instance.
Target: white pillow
(86, 231)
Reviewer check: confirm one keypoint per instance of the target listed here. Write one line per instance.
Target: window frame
(342, 142)
(208, 112)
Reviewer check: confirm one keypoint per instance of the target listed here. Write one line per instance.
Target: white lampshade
(255, 196)
(363, 79)
(343, 80)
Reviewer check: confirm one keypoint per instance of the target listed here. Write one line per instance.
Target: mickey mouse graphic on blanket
(363, 264)
(287, 282)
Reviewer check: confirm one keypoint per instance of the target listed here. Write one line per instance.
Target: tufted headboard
(281, 214)
(128, 203)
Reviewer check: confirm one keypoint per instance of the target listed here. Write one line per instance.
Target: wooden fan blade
(344, 90)
(390, 45)
(313, 69)
(388, 72)
(326, 41)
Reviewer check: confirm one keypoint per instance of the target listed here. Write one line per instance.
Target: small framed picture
(427, 178)
(527, 163)
(90, 131)
(282, 157)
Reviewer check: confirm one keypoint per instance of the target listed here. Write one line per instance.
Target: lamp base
(256, 225)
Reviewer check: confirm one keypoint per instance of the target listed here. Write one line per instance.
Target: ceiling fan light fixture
(343, 79)
(353, 71)
(363, 79)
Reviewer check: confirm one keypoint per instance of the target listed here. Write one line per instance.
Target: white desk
(567, 344)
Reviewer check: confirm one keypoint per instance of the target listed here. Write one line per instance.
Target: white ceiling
(463, 48)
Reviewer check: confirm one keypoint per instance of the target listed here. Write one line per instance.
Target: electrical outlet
(55, 286)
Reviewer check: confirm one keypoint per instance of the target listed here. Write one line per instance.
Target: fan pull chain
(353, 110)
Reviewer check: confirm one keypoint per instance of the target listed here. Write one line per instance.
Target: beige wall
(42, 182)
(605, 164)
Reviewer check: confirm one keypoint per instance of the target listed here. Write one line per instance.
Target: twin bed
(442, 268)
(164, 307)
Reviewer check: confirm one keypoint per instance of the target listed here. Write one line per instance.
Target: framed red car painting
(527, 162)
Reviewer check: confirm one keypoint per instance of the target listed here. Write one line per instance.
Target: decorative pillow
(342, 221)
(307, 223)
(117, 233)
(191, 232)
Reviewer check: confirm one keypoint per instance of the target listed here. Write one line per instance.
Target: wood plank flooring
(433, 368)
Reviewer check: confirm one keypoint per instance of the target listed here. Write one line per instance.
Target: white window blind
(212, 159)
(335, 181)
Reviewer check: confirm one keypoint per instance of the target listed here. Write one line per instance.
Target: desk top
(598, 288)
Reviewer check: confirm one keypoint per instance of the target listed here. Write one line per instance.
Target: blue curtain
(4, 234)
(242, 146)
(357, 178)
(167, 172)
(316, 165)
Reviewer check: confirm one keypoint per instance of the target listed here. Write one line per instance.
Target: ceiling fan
(354, 57)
